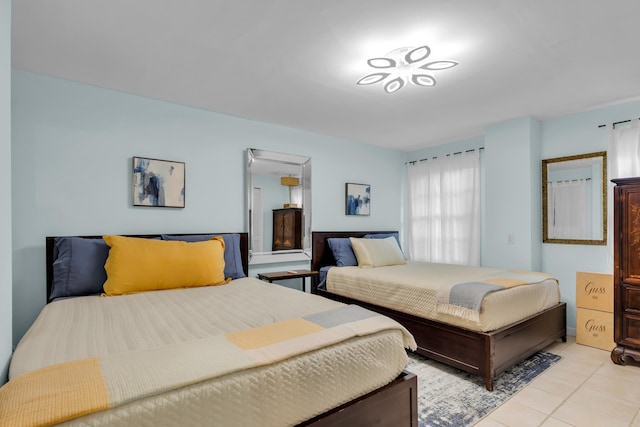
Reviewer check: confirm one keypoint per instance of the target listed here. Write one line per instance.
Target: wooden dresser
(287, 229)
(626, 273)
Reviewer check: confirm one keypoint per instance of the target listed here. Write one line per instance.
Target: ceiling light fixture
(404, 65)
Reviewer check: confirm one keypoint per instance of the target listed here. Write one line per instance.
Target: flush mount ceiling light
(403, 65)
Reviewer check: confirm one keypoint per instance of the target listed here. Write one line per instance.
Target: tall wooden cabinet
(626, 273)
(287, 229)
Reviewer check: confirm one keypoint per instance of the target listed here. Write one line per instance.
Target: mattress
(413, 288)
(283, 393)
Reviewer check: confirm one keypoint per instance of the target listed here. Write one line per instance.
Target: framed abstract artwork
(158, 183)
(358, 199)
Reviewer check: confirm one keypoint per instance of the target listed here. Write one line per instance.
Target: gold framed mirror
(574, 199)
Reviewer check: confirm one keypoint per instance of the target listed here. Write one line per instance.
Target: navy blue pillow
(342, 251)
(79, 268)
(232, 256)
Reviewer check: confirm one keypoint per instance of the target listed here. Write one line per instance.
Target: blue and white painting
(358, 199)
(158, 183)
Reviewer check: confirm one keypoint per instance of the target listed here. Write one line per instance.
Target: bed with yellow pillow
(178, 335)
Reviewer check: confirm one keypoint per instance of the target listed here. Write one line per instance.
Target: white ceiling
(295, 62)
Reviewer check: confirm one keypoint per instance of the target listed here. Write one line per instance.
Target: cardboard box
(594, 328)
(594, 291)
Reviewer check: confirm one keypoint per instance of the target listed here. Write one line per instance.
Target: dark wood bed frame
(486, 354)
(393, 405)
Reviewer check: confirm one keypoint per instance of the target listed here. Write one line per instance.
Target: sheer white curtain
(623, 158)
(444, 209)
(566, 209)
(624, 151)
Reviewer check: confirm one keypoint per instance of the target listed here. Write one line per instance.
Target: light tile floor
(583, 389)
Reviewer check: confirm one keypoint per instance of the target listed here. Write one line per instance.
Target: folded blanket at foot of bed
(69, 390)
(464, 300)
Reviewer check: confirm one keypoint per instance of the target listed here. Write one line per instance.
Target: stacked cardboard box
(594, 303)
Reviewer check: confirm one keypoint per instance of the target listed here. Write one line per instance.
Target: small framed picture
(358, 199)
(158, 183)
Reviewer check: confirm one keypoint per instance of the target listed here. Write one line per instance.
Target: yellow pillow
(377, 252)
(137, 264)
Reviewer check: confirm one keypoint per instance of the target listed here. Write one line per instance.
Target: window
(444, 209)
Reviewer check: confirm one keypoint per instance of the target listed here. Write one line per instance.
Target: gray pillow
(79, 267)
(342, 251)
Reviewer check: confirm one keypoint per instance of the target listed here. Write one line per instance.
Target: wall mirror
(574, 199)
(278, 206)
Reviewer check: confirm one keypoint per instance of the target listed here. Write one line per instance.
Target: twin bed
(241, 353)
(503, 329)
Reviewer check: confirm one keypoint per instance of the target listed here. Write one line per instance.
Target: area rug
(450, 397)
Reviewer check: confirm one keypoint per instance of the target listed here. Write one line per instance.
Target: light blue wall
(5, 189)
(512, 154)
(72, 149)
(565, 136)
(512, 195)
(510, 177)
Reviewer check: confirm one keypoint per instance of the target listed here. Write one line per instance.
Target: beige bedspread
(281, 393)
(413, 288)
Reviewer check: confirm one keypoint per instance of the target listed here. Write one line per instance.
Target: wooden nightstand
(291, 274)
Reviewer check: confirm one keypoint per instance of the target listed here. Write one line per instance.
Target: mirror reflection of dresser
(287, 229)
(278, 190)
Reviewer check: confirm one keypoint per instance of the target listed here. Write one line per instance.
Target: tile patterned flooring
(584, 389)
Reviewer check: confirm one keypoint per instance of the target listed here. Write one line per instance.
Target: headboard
(321, 254)
(50, 249)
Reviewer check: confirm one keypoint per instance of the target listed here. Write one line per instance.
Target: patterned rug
(450, 397)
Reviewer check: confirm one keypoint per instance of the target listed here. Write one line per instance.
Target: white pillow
(377, 252)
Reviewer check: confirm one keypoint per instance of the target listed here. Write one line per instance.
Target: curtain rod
(569, 180)
(413, 162)
(616, 123)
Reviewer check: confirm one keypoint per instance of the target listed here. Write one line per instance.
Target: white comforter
(284, 393)
(413, 288)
